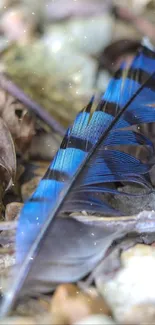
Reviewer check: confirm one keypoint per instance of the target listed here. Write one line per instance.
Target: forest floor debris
(54, 60)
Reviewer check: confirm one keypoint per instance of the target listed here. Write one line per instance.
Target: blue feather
(98, 150)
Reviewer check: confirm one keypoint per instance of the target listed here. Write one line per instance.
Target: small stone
(17, 24)
(79, 34)
(137, 251)
(132, 285)
(18, 321)
(96, 320)
(28, 188)
(70, 305)
(141, 314)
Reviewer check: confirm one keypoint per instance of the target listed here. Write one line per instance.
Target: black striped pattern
(56, 175)
(140, 74)
(80, 144)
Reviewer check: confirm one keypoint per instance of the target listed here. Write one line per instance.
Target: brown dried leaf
(20, 123)
(69, 305)
(26, 132)
(7, 157)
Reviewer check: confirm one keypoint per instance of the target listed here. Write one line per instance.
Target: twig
(8, 225)
(16, 92)
(6, 250)
(140, 23)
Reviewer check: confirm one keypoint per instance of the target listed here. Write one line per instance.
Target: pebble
(12, 210)
(133, 285)
(70, 305)
(96, 320)
(17, 321)
(141, 314)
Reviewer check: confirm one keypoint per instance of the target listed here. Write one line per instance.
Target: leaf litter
(22, 139)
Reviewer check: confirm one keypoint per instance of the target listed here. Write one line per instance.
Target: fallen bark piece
(70, 305)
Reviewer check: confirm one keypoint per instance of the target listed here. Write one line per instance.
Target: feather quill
(96, 152)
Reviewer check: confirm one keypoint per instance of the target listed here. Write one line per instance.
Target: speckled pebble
(133, 284)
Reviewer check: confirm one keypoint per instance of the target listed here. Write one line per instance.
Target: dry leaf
(7, 157)
(20, 123)
(26, 132)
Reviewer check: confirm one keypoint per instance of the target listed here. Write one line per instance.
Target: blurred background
(60, 52)
(54, 55)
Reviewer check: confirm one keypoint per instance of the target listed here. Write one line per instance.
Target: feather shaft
(34, 250)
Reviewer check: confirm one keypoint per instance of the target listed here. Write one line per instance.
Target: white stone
(133, 284)
(96, 320)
